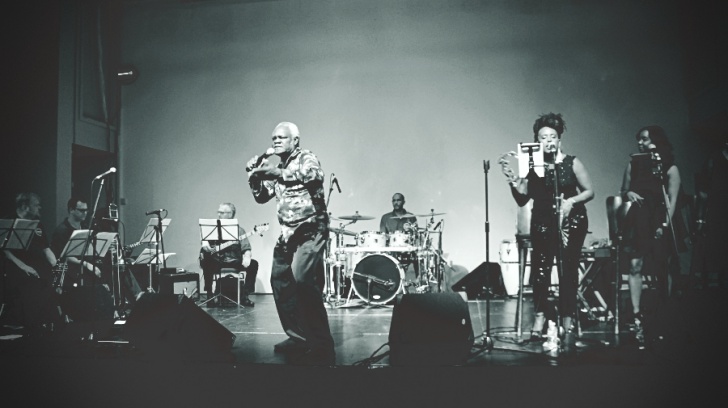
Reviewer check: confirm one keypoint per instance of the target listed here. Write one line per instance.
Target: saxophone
(59, 275)
(117, 263)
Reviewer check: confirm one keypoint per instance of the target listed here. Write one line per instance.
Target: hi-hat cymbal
(342, 231)
(355, 217)
(433, 214)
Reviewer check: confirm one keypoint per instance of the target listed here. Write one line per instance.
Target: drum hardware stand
(334, 270)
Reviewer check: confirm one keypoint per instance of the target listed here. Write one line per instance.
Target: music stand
(219, 231)
(16, 233)
(149, 235)
(153, 236)
(77, 242)
(151, 257)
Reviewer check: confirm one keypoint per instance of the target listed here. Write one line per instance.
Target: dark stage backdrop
(393, 96)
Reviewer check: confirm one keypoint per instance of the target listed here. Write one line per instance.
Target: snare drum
(371, 239)
(400, 239)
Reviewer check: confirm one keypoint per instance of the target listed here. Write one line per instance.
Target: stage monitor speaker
(173, 326)
(487, 276)
(87, 303)
(431, 329)
(186, 283)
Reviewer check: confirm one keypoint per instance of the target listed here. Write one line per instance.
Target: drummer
(394, 221)
(403, 221)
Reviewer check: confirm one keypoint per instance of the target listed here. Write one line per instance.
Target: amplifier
(183, 283)
(598, 253)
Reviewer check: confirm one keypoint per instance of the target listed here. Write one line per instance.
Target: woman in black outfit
(551, 231)
(651, 186)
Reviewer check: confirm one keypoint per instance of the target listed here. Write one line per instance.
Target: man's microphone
(157, 212)
(262, 157)
(109, 171)
(336, 181)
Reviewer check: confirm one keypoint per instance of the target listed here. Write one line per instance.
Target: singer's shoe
(290, 345)
(537, 329)
(247, 302)
(639, 331)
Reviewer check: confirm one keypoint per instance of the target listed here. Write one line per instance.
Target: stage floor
(674, 366)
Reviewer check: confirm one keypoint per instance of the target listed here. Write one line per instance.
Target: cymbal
(433, 214)
(404, 216)
(342, 231)
(355, 217)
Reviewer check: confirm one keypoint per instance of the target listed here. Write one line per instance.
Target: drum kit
(374, 266)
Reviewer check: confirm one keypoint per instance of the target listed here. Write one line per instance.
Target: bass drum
(377, 278)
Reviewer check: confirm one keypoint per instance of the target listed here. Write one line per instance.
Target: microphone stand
(91, 238)
(666, 199)
(487, 340)
(160, 240)
(335, 277)
(559, 232)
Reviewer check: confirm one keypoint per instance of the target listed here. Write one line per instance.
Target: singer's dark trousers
(297, 279)
(545, 241)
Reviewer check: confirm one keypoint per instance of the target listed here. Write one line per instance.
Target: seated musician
(93, 271)
(400, 220)
(237, 256)
(75, 220)
(29, 273)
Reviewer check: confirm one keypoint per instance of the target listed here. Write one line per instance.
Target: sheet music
(149, 256)
(523, 159)
(74, 246)
(148, 235)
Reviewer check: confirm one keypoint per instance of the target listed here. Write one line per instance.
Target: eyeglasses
(224, 212)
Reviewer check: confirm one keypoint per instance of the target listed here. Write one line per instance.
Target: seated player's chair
(239, 277)
(617, 210)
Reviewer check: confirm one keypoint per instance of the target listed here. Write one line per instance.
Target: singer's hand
(634, 197)
(506, 166)
(658, 233)
(566, 206)
(266, 171)
(252, 163)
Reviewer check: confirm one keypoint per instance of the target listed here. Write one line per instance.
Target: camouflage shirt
(299, 193)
